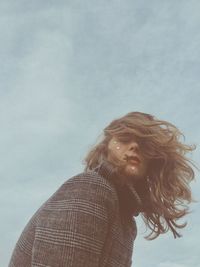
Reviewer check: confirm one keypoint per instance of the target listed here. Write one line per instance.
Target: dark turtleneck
(132, 197)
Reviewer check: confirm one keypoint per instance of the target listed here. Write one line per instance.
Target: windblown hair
(169, 171)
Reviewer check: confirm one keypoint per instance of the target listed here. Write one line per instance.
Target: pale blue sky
(70, 67)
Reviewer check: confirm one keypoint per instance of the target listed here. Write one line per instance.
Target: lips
(134, 160)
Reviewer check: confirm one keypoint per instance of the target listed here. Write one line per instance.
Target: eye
(125, 139)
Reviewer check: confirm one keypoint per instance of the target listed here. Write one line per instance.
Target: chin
(129, 169)
(133, 173)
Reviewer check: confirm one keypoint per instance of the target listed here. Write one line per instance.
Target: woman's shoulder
(88, 183)
(90, 177)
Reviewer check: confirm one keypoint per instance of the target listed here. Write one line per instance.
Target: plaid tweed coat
(85, 223)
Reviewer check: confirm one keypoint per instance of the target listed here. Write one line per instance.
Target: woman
(139, 167)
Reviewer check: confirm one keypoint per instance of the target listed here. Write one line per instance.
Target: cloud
(69, 67)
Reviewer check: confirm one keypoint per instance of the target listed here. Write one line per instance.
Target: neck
(126, 188)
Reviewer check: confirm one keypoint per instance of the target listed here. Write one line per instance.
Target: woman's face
(126, 150)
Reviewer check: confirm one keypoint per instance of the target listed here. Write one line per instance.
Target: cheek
(116, 149)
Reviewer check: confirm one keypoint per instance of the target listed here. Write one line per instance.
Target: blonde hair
(169, 171)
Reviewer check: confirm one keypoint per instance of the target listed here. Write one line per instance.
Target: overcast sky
(70, 67)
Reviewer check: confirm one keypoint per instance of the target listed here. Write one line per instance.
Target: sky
(70, 67)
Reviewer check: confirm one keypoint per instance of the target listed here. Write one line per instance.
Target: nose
(133, 146)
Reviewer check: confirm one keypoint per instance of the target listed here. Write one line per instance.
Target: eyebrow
(128, 136)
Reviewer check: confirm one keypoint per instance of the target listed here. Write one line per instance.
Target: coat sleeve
(72, 227)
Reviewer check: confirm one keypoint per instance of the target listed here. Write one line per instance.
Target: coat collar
(131, 200)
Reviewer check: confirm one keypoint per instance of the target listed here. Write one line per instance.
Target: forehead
(127, 137)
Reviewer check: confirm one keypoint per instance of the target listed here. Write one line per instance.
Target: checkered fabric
(80, 225)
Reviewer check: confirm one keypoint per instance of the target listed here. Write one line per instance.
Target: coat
(80, 225)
